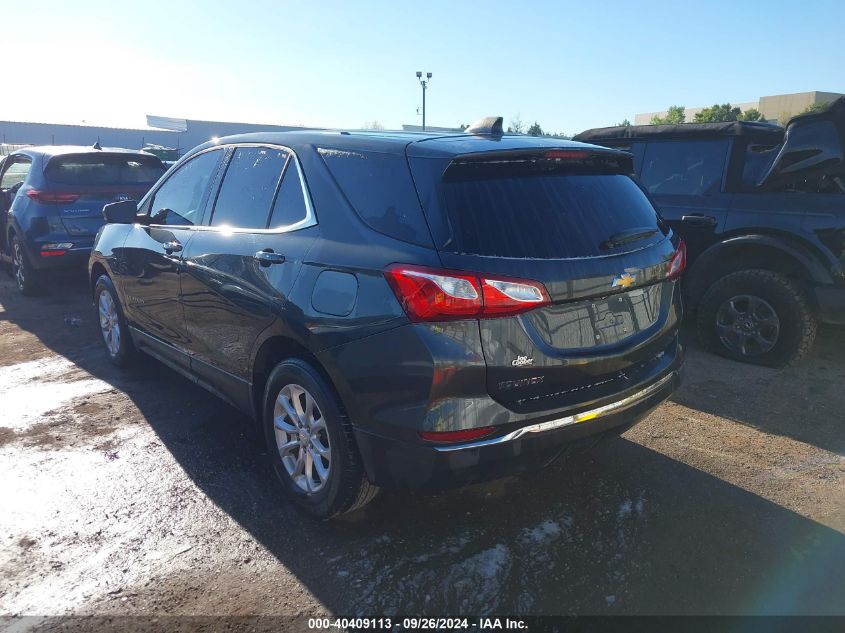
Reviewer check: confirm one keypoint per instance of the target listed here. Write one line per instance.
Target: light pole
(424, 84)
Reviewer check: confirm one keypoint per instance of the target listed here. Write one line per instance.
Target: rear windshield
(549, 216)
(104, 169)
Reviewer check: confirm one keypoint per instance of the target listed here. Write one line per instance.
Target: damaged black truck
(762, 210)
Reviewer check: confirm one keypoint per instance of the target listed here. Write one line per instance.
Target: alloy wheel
(747, 325)
(18, 265)
(302, 438)
(109, 324)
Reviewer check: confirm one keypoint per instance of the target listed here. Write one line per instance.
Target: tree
(815, 107)
(372, 125)
(624, 123)
(516, 126)
(674, 115)
(751, 114)
(535, 130)
(718, 113)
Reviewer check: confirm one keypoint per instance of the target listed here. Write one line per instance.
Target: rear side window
(249, 187)
(684, 167)
(379, 188)
(16, 173)
(558, 216)
(104, 169)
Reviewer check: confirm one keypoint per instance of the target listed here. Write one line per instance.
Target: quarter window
(248, 188)
(381, 191)
(684, 167)
(181, 199)
(289, 207)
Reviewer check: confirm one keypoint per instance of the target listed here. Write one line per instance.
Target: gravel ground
(136, 492)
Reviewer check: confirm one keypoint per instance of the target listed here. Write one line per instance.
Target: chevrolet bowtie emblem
(625, 280)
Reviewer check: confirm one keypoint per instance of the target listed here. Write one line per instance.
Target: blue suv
(51, 203)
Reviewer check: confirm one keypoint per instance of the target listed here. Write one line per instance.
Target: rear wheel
(757, 316)
(113, 328)
(26, 277)
(310, 443)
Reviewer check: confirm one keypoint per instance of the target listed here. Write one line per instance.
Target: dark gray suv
(400, 310)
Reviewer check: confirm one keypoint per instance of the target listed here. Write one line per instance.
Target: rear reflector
(456, 436)
(52, 197)
(431, 294)
(52, 253)
(678, 262)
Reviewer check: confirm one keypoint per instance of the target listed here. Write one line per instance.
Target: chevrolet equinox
(400, 310)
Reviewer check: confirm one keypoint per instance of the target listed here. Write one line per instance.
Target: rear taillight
(447, 437)
(431, 294)
(678, 262)
(565, 154)
(52, 197)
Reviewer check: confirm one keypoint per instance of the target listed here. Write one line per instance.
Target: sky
(567, 65)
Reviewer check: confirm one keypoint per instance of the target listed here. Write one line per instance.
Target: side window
(684, 167)
(289, 207)
(248, 187)
(16, 173)
(180, 200)
(380, 189)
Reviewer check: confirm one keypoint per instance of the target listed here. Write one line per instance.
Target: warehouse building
(180, 134)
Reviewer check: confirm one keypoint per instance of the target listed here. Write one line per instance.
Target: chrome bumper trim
(569, 420)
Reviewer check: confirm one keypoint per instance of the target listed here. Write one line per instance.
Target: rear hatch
(572, 219)
(82, 184)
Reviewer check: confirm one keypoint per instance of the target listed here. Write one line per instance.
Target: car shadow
(619, 529)
(804, 402)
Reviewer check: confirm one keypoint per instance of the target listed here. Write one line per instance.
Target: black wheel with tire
(113, 327)
(310, 443)
(757, 316)
(26, 277)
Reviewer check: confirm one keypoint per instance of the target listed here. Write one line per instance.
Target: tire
(26, 277)
(757, 316)
(339, 484)
(114, 331)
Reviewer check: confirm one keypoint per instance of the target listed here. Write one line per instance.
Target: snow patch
(542, 532)
(31, 389)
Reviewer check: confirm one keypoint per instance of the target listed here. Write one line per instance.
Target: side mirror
(124, 212)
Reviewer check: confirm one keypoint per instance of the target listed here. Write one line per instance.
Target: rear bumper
(74, 258)
(831, 304)
(394, 463)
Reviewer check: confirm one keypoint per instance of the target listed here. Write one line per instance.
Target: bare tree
(372, 125)
(516, 126)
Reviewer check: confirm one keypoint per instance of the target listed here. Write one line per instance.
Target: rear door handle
(173, 246)
(698, 219)
(267, 257)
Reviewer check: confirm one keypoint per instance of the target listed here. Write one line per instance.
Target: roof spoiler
(488, 125)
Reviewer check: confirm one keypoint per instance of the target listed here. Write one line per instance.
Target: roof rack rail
(487, 125)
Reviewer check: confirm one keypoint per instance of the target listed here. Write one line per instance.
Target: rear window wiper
(627, 237)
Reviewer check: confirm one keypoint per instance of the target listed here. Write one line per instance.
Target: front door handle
(173, 246)
(267, 257)
(698, 219)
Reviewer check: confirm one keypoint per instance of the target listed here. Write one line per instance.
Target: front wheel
(757, 316)
(310, 443)
(113, 327)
